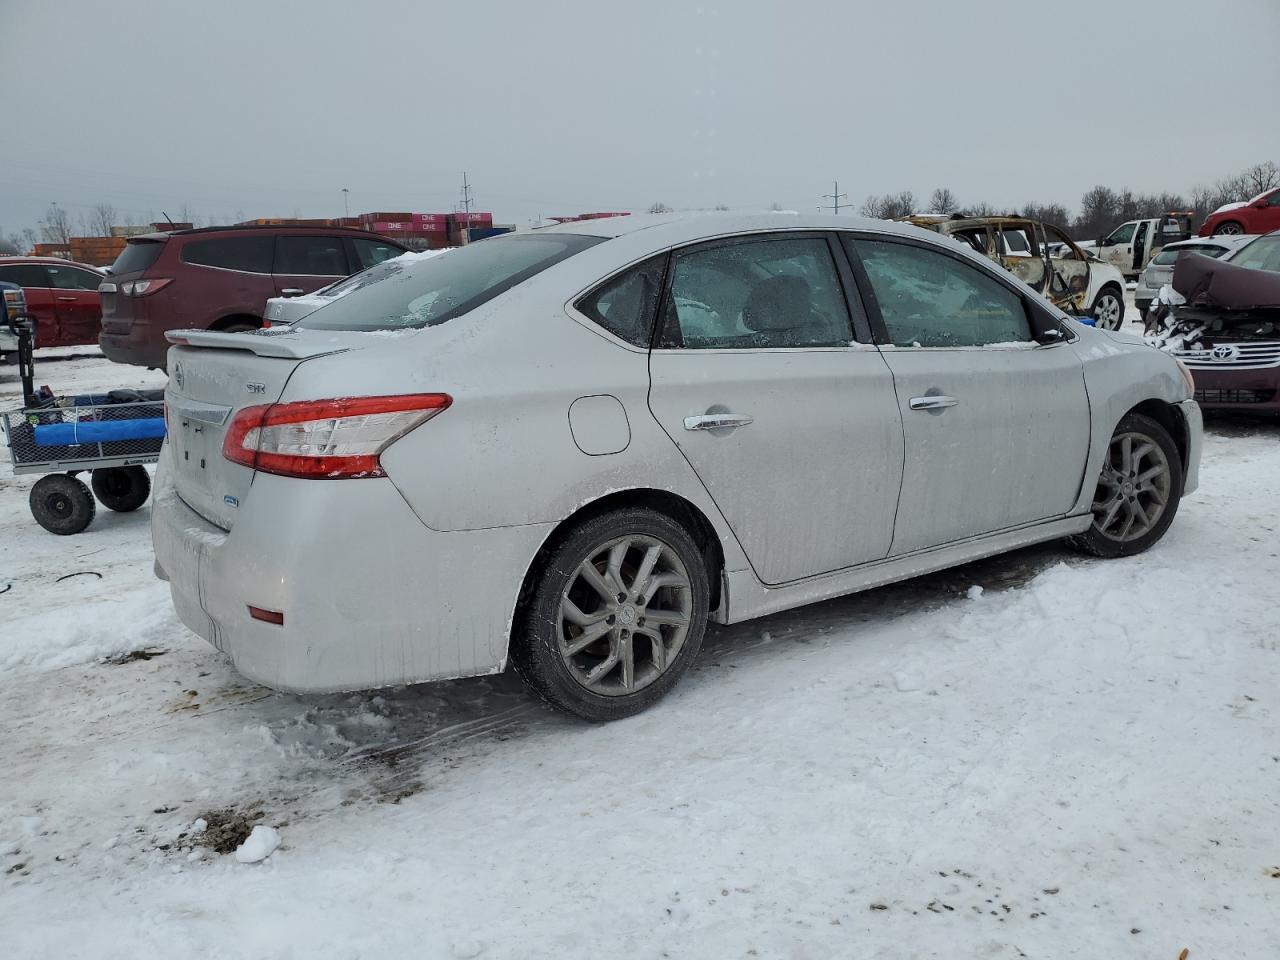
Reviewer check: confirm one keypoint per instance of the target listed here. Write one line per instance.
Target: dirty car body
(1046, 259)
(1228, 331)
(371, 495)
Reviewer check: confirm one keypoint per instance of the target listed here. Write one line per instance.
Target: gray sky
(268, 108)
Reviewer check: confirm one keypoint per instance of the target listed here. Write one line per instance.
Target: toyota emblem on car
(1222, 352)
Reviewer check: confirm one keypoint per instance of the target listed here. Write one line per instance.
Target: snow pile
(259, 845)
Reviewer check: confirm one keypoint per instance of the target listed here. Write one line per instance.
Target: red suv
(63, 297)
(1259, 215)
(219, 278)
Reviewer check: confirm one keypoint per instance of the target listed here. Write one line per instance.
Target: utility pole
(465, 233)
(835, 196)
(346, 207)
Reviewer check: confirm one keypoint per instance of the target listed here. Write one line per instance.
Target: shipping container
(471, 219)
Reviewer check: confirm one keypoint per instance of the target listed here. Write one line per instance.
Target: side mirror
(1104, 241)
(1261, 204)
(1050, 335)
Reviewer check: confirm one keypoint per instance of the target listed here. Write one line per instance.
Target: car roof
(270, 227)
(57, 261)
(1221, 240)
(669, 229)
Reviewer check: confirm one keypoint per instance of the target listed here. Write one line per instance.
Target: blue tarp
(98, 431)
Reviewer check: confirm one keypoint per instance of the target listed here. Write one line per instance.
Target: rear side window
(370, 253)
(137, 255)
(1167, 257)
(24, 274)
(759, 294)
(311, 256)
(627, 305)
(73, 278)
(249, 254)
(928, 299)
(400, 294)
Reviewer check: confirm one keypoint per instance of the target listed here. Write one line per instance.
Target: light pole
(346, 209)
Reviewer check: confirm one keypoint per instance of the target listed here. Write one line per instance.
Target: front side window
(310, 256)
(774, 292)
(929, 299)
(627, 304)
(73, 278)
(405, 294)
(250, 254)
(370, 253)
(1122, 234)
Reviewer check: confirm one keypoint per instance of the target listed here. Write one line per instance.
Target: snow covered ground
(1081, 760)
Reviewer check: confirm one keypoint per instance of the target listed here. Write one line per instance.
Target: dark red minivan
(219, 278)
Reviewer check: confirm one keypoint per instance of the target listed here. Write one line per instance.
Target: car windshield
(1168, 256)
(1262, 254)
(397, 294)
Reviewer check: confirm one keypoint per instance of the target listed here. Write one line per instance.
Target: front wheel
(615, 616)
(62, 504)
(1138, 490)
(1108, 309)
(1229, 228)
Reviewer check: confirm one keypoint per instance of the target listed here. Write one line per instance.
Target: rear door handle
(67, 299)
(716, 421)
(932, 403)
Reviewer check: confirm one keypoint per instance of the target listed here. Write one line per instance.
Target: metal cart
(110, 436)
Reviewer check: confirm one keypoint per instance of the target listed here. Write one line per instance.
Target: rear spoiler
(263, 344)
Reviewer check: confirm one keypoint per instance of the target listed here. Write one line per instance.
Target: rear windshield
(421, 293)
(1168, 257)
(137, 255)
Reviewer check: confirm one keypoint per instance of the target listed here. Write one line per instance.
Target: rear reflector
(266, 616)
(326, 439)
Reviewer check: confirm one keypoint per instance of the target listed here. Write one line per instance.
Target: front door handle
(67, 299)
(932, 403)
(716, 421)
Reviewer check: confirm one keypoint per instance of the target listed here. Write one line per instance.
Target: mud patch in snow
(226, 829)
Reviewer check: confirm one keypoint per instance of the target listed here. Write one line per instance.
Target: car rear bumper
(136, 344)
(371, 597)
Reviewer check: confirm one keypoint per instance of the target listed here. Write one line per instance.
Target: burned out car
(1223, 321)
(1046, 259)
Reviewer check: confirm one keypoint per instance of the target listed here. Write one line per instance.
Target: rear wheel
(1138, 490)
(1108, 309)
(121, 488)
(62, 504)
(616, 615)
(1228, 228)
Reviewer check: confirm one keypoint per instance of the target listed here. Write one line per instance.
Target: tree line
(1101, 208)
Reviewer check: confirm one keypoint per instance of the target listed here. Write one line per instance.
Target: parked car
(13, 303)
(1228, 329)
(572, 448)
(219, 278)
(1160, 270)
(62, 295)
(1259, 215)
(1133, 244)
(285, 310)
(1046, 259)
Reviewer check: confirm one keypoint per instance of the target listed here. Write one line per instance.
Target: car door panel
(803, 455)
(77, 304)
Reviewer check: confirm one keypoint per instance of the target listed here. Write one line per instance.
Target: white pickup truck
(1132, 245)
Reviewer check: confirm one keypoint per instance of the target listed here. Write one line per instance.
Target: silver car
(1160, 270)
(571, 449)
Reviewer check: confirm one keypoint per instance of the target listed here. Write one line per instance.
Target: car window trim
(1032, 311)
(712, 243)
(573, 305)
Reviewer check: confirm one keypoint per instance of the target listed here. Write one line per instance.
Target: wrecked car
(1046, 259)
(1222, 319)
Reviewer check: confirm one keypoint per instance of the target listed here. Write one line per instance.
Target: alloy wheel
(1229, 229)
(1133, 489)
(1108, 312)
(624, 615)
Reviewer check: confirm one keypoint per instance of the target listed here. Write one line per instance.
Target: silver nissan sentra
(570, 449)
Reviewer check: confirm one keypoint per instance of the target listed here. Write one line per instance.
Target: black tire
(62, 504)
(1101, 544)
(536, 643)
(1109, 300)
(121, 489)
(1231, 228)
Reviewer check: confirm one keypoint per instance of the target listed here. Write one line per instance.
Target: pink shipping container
(438, 221)
(472, 219)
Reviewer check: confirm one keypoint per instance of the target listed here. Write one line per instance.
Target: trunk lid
(213, 376)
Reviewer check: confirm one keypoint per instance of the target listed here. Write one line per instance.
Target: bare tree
(1262, 177)
(722, 206)
(658, 207)
(102, 219)
(1052, 213)
(943, 201)
(56, 226)
(890, 206)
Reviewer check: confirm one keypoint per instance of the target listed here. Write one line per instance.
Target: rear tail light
(326, 439)
(144, 288)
